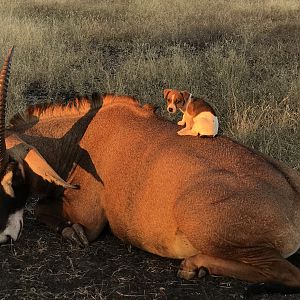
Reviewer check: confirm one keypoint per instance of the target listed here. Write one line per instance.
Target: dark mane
(75, 107)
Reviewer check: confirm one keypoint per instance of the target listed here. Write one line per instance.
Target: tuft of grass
(242, 55)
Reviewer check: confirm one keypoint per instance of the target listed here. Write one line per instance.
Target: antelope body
(223, 208)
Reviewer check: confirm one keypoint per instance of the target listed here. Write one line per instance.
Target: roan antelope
(218, 205)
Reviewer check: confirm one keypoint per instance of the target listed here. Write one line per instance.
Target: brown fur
(198, 116)
(197, 105)
(234, 212)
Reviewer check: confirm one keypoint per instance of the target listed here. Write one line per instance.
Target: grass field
(243, 55)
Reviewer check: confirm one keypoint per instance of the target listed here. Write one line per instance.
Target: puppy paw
(193, 133)
(185, 131)
(181, 123)
(181, 132)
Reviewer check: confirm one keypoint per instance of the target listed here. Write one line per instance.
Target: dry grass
(243, 55)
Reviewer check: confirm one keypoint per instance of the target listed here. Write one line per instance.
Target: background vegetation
(243, 55)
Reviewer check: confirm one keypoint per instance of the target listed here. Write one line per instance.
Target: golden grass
(243, 55)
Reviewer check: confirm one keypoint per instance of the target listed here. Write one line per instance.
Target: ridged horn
(4, 81)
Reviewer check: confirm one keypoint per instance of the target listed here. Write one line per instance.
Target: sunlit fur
(198, 116)
(235, 212)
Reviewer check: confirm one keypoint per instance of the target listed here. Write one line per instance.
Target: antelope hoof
(75, 234)
(187, 275)
(202, 272)
(81, 234)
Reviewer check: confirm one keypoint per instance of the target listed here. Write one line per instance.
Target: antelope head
(15, 155)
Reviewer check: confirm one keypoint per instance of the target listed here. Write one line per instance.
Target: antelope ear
(21, 151)
(39, 166)
(166, 92)
(185, 94)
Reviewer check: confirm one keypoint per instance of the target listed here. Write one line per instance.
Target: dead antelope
(235, 212)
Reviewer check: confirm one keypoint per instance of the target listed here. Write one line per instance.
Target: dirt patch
(41, 265)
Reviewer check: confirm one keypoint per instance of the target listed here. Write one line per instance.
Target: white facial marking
(7, 184)
(13, 227)
(172, 106)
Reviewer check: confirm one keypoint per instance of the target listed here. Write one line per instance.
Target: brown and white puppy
(198, 116)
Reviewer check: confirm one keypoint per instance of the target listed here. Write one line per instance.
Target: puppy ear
(185, 95)
(166, 93)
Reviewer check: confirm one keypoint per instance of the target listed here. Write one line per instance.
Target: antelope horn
(4, 80)
(21, 151)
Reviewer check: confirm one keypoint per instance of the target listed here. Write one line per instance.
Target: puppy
(198, 116)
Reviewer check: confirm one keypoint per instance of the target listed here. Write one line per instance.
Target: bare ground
(41, 265)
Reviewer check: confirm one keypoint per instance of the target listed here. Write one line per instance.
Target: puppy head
(175, 99)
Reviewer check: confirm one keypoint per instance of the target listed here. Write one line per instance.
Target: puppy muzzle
(171, 109)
